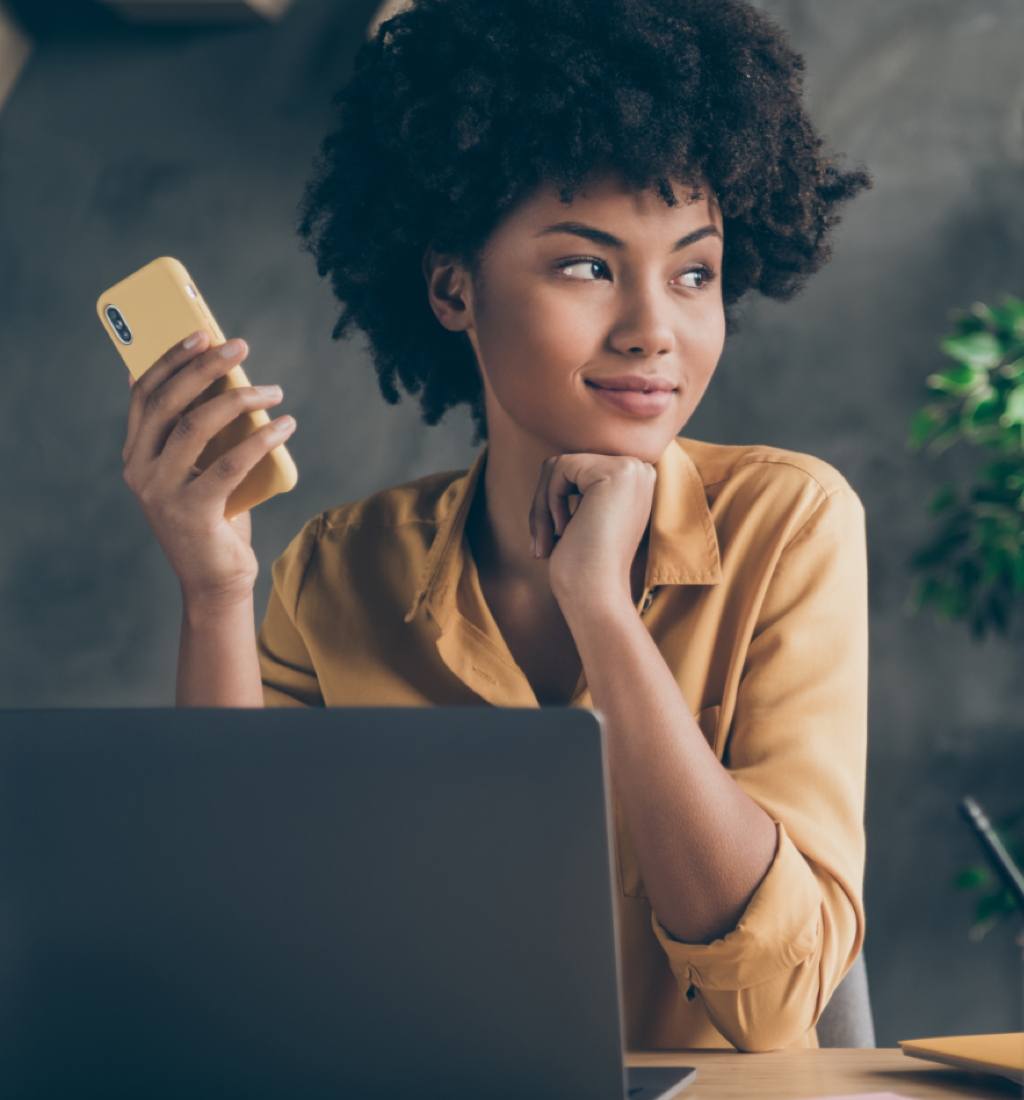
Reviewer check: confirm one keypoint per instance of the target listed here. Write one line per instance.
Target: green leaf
(1015, 307)
(980, 929)
(980, 406)
(922, 425)
(1001, 318)
(1013, 412)
(993, 905)
(944, 440)
(945, 498)
(958, 381)
(980, 349)
(972, 878)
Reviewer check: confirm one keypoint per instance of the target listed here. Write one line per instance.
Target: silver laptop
(364, 904)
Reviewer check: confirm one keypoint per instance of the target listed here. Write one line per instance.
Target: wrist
(202, 609)
(596, 608)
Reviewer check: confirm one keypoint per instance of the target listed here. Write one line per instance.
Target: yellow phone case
(156, 308)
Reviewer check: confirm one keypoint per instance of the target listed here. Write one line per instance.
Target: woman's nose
(641, 328)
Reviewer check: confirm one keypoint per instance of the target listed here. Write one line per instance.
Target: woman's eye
(589, 270)
(694, 280)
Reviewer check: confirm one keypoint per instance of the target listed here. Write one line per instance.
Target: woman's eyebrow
(599, 236)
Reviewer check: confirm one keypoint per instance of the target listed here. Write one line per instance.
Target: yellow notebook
(1001, 1054)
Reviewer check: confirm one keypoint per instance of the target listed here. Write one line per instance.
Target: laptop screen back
(343, 903)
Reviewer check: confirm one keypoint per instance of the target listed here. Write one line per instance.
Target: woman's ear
(449, 290)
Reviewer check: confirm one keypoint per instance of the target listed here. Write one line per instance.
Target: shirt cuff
(778, 930)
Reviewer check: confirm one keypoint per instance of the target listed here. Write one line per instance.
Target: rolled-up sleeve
(796, 743)
(286, 668)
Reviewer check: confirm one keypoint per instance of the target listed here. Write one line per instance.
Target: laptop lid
(306, 903)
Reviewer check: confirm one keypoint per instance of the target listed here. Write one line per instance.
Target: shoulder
(770, 498)
(721, 466)
(770, 482)
(425, 501)
(405, 516)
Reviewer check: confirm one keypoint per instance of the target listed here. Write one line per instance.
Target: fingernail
(231, 349)
(269, 391)
(191, 341)
(283, 423)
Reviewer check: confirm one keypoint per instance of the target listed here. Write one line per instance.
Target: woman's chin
(645, 440)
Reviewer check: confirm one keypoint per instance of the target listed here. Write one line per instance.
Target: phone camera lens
(121, 330)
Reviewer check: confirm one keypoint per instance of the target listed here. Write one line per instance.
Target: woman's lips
(635, 394)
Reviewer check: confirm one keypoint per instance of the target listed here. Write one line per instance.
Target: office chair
(846, 1020)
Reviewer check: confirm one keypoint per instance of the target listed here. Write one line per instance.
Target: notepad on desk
(999, 1054)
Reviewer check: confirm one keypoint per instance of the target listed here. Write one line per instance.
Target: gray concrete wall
(118, 146)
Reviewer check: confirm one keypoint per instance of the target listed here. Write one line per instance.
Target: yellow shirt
(755, 594)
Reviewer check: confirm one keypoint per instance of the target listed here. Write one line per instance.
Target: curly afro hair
(459, 108)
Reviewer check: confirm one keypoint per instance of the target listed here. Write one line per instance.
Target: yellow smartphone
(146, 315)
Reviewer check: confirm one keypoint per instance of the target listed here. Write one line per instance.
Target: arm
(211, 556)
(217, 662)
(702, 843)
(796, 748)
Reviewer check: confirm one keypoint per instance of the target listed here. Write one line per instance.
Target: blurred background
(119, 144)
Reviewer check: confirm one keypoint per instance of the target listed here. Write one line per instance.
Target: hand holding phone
(150, 312)
(200, 445)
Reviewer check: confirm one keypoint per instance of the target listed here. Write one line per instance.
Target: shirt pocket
(631, 882)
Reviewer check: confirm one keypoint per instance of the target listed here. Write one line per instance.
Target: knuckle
(156, 401)
(186, 426)
(227, 467)
(209, 364)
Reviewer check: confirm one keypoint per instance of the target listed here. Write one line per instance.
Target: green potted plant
(972, 570)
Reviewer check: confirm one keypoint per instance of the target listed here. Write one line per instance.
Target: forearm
(702, 843)
(217, 661)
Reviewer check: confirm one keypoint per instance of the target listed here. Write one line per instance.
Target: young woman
(544, 208)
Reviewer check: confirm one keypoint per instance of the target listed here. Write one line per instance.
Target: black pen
(995, 850)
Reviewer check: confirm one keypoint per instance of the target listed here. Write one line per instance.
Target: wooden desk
(799, 1074)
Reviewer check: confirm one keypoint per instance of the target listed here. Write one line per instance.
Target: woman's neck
(515, 584)
(502, 520)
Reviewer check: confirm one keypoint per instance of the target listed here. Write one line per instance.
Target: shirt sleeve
(286, 668)
(797, 745)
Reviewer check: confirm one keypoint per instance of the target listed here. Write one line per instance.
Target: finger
(166, 404)
(220, 480)
(195, 429)
(171, 361)
(561, 486)
(131, 380)
(542, 529)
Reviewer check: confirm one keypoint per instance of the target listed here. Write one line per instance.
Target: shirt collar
(683, 546)
(439, 578)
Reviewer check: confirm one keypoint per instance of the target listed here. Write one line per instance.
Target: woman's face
(598, 325)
